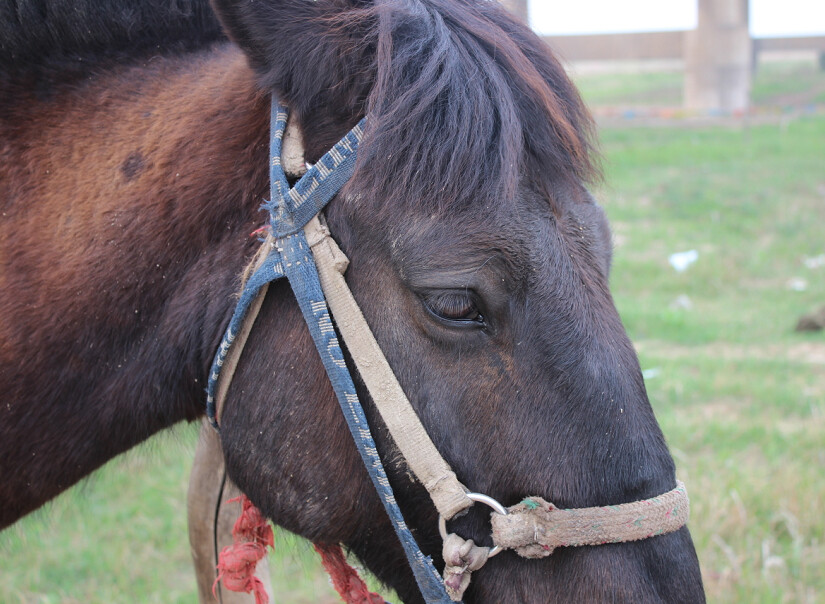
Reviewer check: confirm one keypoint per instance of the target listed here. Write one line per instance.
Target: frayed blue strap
(290, 210)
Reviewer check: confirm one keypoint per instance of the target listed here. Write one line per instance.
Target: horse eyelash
(435, 304)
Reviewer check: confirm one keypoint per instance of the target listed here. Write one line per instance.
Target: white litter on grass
(797, 284)
(682, 302)
(814, 261)
(682, 260)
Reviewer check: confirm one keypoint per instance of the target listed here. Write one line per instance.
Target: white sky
(768, 17)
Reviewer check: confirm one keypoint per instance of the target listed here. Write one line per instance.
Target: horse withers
(133, 163)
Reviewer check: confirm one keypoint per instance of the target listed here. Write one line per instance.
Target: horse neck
(127, 206)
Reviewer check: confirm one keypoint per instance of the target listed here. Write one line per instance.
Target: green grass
(779, 84)
(662, 88)
(788, 83)
(750, 201)
(118, 537)
(740, 395)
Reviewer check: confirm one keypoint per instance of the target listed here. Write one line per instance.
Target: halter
(301, 249)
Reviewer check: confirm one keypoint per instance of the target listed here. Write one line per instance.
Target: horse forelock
(466, 102)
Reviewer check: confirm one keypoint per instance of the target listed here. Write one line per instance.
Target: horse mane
(467, 101)
(36, 35)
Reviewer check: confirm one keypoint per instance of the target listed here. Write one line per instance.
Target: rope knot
(251, 535)
(461, 558)
(524, 528)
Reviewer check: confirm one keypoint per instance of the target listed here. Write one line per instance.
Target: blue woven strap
(290, 209)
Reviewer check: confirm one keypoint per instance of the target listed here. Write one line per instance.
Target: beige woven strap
(447, 493)
(234, 354)
(534, 527)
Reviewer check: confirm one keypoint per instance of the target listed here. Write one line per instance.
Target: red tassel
(345, 579)
(251, 535)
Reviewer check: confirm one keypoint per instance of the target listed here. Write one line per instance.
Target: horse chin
(658, 570)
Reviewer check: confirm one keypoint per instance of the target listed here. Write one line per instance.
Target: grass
(740, 395)
(775, 84)
(634, 89)
(788, 83)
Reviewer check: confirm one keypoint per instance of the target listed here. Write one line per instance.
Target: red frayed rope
(251, 535)
(345, 579)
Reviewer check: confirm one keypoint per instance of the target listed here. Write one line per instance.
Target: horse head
(481, 262)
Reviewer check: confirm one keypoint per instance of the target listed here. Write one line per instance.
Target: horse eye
(456, 307)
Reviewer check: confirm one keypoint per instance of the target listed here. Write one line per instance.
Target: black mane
(37, 34)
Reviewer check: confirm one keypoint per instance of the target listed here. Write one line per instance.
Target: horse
(133, 164)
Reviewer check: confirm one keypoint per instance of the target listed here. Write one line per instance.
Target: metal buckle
(479, 498)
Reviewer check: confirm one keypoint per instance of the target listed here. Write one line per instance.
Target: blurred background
(712, 126)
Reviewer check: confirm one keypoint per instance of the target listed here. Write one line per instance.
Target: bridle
(299, 247)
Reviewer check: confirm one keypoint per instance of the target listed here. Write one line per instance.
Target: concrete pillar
(518, 8)
(718, 58)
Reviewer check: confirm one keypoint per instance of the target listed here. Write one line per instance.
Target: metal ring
(480, 498)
